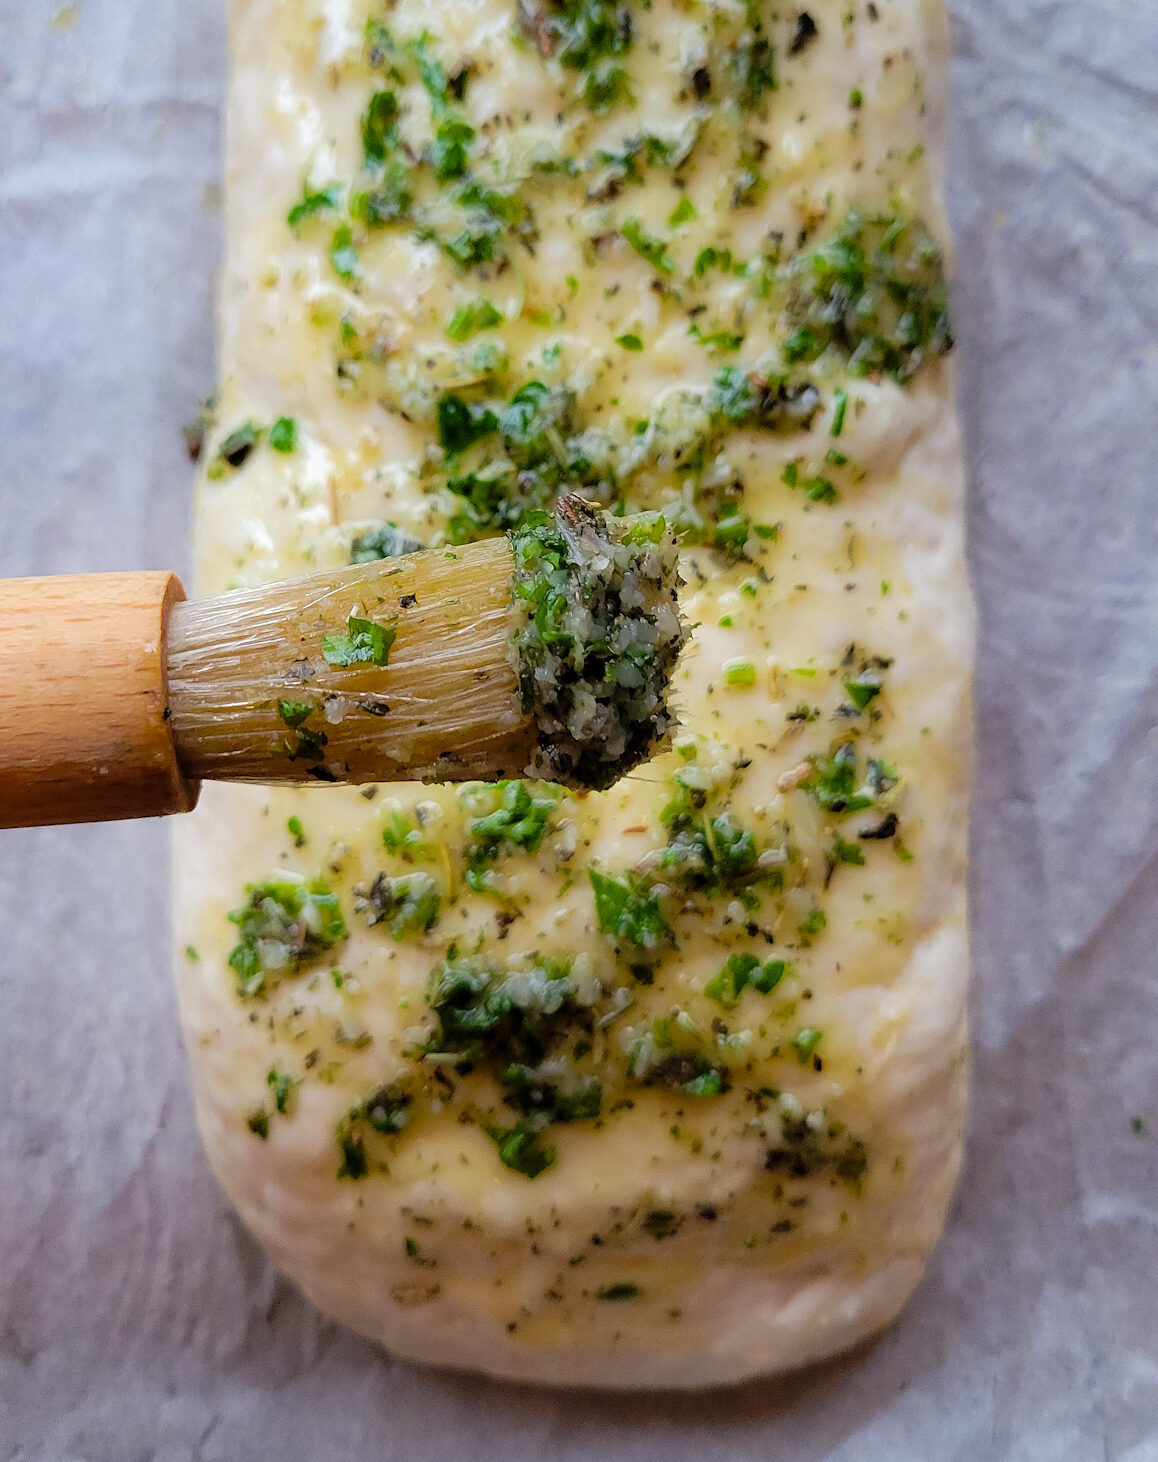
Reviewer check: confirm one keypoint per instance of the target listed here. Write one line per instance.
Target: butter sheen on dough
(688, 1235)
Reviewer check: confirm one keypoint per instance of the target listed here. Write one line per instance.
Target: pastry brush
(546, 653)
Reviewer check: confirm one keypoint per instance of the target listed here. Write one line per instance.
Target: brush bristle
(259, 691)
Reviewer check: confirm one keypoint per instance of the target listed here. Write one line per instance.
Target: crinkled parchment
(136, 1320)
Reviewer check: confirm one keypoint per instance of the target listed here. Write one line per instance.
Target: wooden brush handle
(84, 729)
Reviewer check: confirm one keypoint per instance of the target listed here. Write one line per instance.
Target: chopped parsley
(712, 852)
(343, 254)
(283, 434)
(741, 674)
(406, 905)
(838, 786)
(380, 126)
(839, 410)
(303, 742)
(310, 204)
(586, 36)
(281, 1084)
(522, 1149)
(520, 815)
(448, 155)
(753, 64)
(525, 1026)
(647, 246)
(552, 1098)
(627, 912)
(741, 398)
(744, 971)
(846, 852)
(814, 923)
(876, 292)
(235, 449)
(470, 318)
(285, 923)
(505, 1017)
(863, 689)
(673, 1056)
(386, 1111)
(364, 643)
(461, 423)
(712, 258)
(805, 1042)
(408, 840)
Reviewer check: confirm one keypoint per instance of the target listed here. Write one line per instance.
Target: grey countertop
(136, 1319)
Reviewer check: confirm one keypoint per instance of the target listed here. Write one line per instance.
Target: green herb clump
(710, 851)
(507, 458)
(414, 841)
(285, 923)
(500, 1017)
(387, 1111)
(409, 904)
(627, 912)
(840, 787)
(522, 1149)
(674, 1055)
(814, 1143)
(513, 816)
(539, 451)
(739, 398)
(432, 190)
(587, 36)
(875, 292)
(597, 636)
(525, 1027)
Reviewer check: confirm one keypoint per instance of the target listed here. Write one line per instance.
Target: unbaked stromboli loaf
(663, 1086)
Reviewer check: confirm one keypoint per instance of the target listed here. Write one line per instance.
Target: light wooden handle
(84, 719)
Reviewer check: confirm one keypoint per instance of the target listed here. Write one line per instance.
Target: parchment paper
(136, 1320)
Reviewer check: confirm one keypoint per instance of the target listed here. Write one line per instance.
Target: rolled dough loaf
(665, 1086)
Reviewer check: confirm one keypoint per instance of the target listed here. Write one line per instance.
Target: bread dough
(664, 1086)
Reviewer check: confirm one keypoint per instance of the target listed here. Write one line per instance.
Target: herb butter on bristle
(548, 653)
(596, 639)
